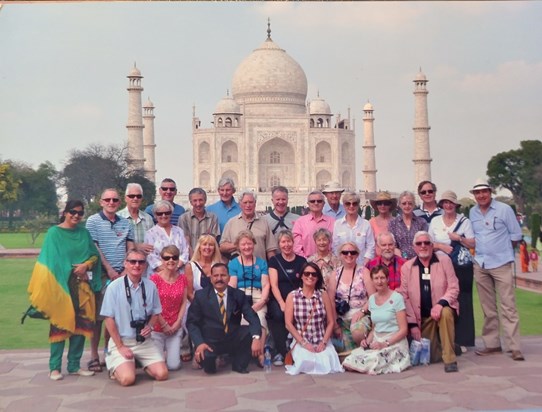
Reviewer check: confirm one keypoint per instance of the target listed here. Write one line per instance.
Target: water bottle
(425, 355)
(267, 360)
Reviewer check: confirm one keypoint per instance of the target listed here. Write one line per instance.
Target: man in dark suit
(214, 324)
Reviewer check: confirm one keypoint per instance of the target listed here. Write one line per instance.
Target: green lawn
(20, 240)
(15, 273)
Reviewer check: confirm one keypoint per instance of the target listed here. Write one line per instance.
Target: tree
(88, 172)
(519, 171)
(37, 192)
(9, 185)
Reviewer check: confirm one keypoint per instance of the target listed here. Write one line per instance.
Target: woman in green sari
(62, 286)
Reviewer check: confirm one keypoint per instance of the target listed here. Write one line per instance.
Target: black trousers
(275, 321)
(237, 344)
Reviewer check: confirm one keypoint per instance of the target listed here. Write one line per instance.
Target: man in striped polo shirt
(113, 236)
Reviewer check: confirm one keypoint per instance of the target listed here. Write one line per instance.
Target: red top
(171, 298)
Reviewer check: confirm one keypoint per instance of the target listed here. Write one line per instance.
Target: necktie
(222, 310)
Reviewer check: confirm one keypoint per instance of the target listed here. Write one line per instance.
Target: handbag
(289, 358)
(460, 255)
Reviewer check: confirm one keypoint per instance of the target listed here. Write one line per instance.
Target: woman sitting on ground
(385, 349)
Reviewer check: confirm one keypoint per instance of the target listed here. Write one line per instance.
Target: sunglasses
(135, 196)
(310, 274)
(171, 189)
(407, 204)
(348, 204)
(134, 262)
(424, 242)
(316, 201)
(168, 258)
(383, 203)
(111, 199)
(74, 212)
(349, 252)
(427, 192)
(163, 213)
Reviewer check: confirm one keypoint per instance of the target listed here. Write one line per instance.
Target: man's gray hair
(134, 186)
(383, 234)
(422, 233)
(197, 191)
(281, 189)
(316, 192)
(226, 181)
(247, 192)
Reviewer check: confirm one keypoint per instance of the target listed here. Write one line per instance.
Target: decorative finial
(227, 92)
(318, 93)
(268, 28)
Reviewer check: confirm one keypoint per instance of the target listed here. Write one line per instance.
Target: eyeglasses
(74, 212)
(427, 192)
(168, 258)
(316, 201)
(349, 252)
(163, 213)
(111, 199)
(171, 189)
(383, 203)
(310, 274)
(348, 204)
(135, 196)
(407, 204)
(134, 262)
(424, 242)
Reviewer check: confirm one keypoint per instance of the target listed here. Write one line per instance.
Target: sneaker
(55, 376)
(82, 372)
(278, 360)
(488, 351)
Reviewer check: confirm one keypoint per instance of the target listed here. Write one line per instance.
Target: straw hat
(332, 187)
(448, 195)
(481, 184)
(384, 197)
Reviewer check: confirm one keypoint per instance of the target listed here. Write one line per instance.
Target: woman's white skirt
(320, 363)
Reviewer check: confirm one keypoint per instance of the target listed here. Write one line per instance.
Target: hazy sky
(63, 70)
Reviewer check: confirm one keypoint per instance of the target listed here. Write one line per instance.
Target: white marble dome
(227, 106)
(319, 106)
(420, 77)
(368, 106)
(268, 78)
(135, 72)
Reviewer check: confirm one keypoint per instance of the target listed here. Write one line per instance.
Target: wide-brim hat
(332, 187)
(384, 197)
(481, 184)
(449, 196)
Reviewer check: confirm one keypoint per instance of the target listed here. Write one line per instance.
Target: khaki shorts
(146, 353)
(262, 313)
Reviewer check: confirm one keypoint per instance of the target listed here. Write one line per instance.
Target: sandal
(94, 365)
(186, 357)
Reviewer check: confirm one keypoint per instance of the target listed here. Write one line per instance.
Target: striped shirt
(111, 237)
(316, 329)
(194, 227)
(143, 223)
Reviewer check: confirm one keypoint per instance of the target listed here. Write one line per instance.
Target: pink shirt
(171, 298)
(304, 228)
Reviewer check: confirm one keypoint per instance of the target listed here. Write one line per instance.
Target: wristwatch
(257, 337)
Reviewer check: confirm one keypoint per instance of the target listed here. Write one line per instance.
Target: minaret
(422, 155)
(149, 147)
(369, 160)
(135, 121)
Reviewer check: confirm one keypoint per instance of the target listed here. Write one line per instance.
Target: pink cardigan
(444, 285)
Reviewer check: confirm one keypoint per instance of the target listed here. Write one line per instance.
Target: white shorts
(146, 353)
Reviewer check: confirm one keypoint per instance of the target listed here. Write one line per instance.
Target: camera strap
(129, 296)
(252, 274)
(351, 282)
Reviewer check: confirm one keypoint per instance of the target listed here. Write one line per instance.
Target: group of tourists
(320, 293)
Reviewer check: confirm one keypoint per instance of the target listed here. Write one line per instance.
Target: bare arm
(189, 281)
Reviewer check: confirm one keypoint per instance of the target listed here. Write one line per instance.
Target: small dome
(319, 106)
(134, 72)
(368, 106)
(148, 104)
(227, 106)
(420, 77)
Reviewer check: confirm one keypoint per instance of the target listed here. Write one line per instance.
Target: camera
(342, 307)
(138, 325)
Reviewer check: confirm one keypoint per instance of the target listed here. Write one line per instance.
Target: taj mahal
(266, 133)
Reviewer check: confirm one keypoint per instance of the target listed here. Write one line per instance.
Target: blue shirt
(115, 304)
(328, 211)
(178, 210)
(111, 237)
(494, 233)
(223, 212)
(248, 275)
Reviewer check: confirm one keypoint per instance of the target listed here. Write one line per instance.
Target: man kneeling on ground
(131, 307)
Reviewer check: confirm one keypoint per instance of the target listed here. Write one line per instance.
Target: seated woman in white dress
(385, 349)
(309, 318)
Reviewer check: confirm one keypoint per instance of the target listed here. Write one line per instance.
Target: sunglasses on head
(74, 212)
(427, 192)
(348, 204)
(171, 189)
(134, 262)
(135, 196)
(423, 242)
(168, 258)
(163, 213)
(383, 203)
(310, 274)
(349, 252)
(111, 199)
(316, 201)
